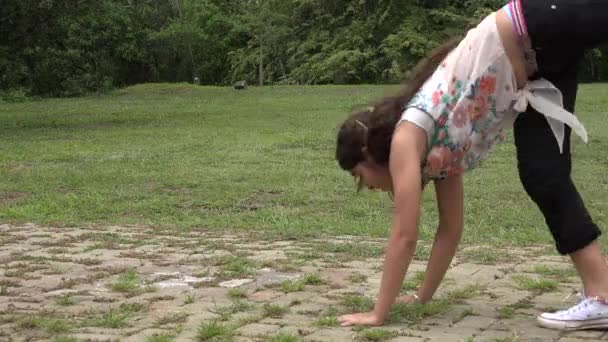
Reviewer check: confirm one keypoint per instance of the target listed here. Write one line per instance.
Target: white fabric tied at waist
(543, 96)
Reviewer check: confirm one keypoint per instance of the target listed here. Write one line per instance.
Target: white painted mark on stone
(235, 283)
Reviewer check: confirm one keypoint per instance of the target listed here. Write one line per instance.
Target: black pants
(560, 31)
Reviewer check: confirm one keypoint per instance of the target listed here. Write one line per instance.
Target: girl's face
(373, 176)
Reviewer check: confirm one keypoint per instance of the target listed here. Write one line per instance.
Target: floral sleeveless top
(472, 97)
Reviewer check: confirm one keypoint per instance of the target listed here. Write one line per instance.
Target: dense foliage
(70, 47)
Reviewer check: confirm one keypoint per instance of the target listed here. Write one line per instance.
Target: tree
(66, 48)
(201, 34)
(265, 24)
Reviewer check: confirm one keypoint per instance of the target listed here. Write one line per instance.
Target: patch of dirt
(8, 198)
(259, 199)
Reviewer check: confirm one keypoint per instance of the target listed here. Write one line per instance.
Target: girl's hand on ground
(365, 318)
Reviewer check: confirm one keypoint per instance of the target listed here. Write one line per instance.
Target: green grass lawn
(209, 158)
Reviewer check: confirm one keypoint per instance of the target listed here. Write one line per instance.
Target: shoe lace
(583, 304)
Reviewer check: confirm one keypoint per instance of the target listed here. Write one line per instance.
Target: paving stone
(323, 301)
(265, 295)
(475, 323)
(243, 339)
(468, 273)
(407, 339)
(506, 294)
(556, 300)
(491, 335)
(331, 335)
(296, 330)
(268, 255)
(288, 298)
(434, 335)
(530, 267)
(526, 327)
(257, 329)
(307, 309)
(190, 330)
(235, 283)
(95, 337)
(586, 334)
(481, 308)
(145, 334)
(556, 259)
(337, 278)
(270, 277)
(190, 266)
(360, 266)
(297, 319)
(272, 321)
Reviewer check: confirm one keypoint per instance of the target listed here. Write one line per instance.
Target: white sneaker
(589, 313)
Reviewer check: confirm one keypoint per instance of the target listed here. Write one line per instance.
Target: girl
(448, 117)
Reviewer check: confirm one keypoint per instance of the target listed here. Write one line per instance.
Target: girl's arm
(451, 221)
(406, 148)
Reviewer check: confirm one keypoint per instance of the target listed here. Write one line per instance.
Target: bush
(15, 95)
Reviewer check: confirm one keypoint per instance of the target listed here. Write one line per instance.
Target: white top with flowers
(473, 97)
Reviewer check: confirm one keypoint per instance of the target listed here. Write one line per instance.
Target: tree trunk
(282, 67)
(189, 43)
(592, 66)
(261, 65)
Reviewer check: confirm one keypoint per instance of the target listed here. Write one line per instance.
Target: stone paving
(145, 284)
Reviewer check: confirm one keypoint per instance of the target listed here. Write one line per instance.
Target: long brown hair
(374, 126)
